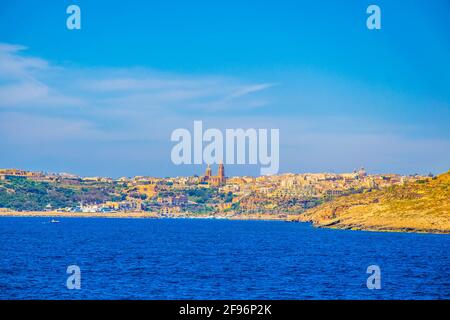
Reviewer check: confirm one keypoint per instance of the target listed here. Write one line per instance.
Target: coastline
(137, 215)
(373, 228)
(364, 224)
(56, 214)
(258, 217)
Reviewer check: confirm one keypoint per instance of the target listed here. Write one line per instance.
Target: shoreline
(250, 217)
(137, 215)
(55, 214)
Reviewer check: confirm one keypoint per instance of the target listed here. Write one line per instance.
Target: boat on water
(54, 221)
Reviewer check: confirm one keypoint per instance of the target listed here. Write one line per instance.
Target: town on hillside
(207, 194)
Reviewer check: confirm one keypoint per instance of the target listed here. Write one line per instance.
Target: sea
(215, 259)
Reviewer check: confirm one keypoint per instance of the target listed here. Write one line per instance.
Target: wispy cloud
(22, 81)
(34, 82)
(14, 66)
(249, 89)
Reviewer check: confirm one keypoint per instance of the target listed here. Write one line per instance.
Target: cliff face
(423, 206)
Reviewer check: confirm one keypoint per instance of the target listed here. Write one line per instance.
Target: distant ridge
(422, 206)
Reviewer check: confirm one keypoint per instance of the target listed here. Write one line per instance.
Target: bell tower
(221, 173)
(208, 171)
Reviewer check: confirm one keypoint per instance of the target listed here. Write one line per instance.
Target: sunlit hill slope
(422, 206)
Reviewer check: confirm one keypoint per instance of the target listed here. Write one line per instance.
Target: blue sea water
(215, 259)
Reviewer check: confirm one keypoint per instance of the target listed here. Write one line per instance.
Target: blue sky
(103, 100)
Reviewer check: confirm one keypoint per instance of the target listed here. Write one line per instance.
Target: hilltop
(420, 206)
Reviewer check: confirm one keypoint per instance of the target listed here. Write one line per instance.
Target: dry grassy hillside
(423, 206)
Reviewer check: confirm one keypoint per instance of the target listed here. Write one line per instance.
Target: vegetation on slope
(422, 206)
(23, 194)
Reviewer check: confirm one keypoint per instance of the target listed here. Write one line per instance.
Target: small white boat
(54, 221)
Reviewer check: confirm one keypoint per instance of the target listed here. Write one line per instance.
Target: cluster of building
(216, 194)
(218, 180)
